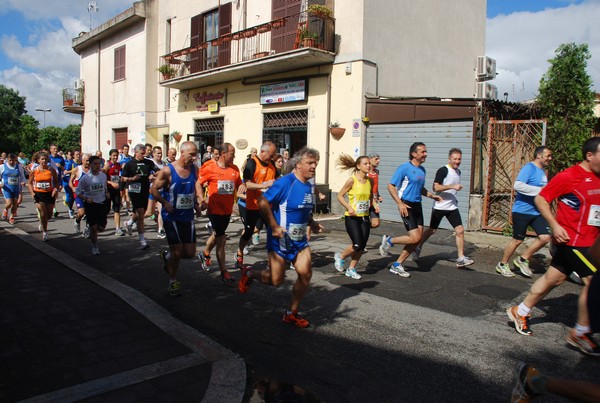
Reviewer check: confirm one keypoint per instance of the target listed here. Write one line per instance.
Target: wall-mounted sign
(289, 91)
(213, 106)
(203, 99)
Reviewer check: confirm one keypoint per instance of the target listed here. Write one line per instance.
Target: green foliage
(12, 107)
(566, 99)
(28, 135)
(70, 138)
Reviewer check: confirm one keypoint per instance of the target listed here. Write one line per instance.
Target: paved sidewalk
(71, 333)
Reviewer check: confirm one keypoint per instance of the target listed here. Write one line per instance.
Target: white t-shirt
(447, 176)
(93, 186)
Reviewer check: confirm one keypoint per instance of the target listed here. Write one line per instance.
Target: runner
(76, 176)
(287, 207)
(43, 184)
(222, 179)
(259, 174)
(406, 187)
(155, 208)
(374, 159)
(12, 178)
(58, 163)
(93, 190)
(528, 185)
(124, 159)
(574, 229)
(447, 183)
(359, 188)
(171, 155)
(112, 170)
(179, 202)
(137, 174)
(70, 164)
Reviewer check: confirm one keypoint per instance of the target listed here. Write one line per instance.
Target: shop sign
(290, 91)
(203, 99)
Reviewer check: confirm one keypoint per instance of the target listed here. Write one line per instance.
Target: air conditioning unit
(486, 91)
(78, 98)
(486, 68)
(78, 84)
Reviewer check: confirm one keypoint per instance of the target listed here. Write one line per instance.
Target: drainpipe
(327, 143)
(98, 106)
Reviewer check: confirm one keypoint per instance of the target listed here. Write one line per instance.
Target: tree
(12, 107)
(567, 101)
(28, 135)
(70, 138)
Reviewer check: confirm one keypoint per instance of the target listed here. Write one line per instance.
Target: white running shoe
(86, 232)
(255, 238)
(143, 245)
(77, 227)
(396, 268)
(119, 232)
(339, 263)
(504, 269)
(384, 249)
(129, 228)
(44, 236)
(353, 274)
(463, 261)
(95, 250)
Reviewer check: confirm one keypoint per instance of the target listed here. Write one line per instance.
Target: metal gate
(509, 146)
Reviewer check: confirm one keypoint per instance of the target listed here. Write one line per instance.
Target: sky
(37, 60)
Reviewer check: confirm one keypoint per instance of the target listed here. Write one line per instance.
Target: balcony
(73, 100)
(288, 43)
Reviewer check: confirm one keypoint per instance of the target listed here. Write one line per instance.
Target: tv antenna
(92, 8)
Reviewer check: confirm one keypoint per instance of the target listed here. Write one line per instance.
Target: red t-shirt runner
(578, 194)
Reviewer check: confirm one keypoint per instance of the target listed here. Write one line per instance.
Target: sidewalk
(71, 333)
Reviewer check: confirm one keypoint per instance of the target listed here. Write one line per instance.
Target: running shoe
(416, 253)
(246, 250)
(55, 213)
(504, 269)
(353, 274)
(163, 258)
(209, 228)
(95, 250)
(396, 268)
(4, 214)
(161, 233)
(521, 322)
(174, 287)
(143, 245)
(227, 278)
(384, 249)
(239, 261)
(522, 392)
(292, 266)
(339, 263)
(255, 238)
(44, 236)
(86, 232)
(40, 228)
(71, 215)
(77, 227)
(11, 220)
(129, 228)
(295, 319)
(205, 261)
(244, 282)
(119, 232)
(585, 343)
(523, 266)
(463, 261)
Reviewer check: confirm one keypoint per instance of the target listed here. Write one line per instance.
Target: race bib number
(362, 206)
(115, 178)
(594, 216)
(97, 188)
(135, 187)
(42, 185)
(184, 201)
(297, 232)
(13, 180)
(225, 187)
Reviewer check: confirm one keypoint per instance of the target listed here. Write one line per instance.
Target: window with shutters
(206, 28)
(120, 63)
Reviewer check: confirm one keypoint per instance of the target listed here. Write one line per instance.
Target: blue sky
(36, 56)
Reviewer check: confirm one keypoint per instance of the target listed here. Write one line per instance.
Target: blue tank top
(182, 195)
(11, 178)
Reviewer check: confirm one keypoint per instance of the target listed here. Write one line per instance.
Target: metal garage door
(392, 142)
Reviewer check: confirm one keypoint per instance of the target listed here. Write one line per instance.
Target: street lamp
(43, 110)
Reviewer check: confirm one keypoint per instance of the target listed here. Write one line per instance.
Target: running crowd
(279, 192)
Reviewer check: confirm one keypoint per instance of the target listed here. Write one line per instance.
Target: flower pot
(166, 76)
(337, 132)
(308, 43)
(177, 137)
(68, 102)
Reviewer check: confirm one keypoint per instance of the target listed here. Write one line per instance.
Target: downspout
(98, 100)
(327, 143)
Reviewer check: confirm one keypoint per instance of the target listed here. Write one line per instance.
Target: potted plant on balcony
(336, 131)
(167, 71)
(308, 38)
(319, 10)
(67, 98)
(176, 135)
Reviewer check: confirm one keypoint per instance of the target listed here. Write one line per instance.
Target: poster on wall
(289, 91)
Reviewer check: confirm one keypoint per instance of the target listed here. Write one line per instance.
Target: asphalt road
(440, 335)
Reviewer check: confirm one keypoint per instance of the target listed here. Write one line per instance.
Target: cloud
(523, 42)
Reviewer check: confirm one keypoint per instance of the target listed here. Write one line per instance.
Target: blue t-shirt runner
(409, 180)
(530, 175)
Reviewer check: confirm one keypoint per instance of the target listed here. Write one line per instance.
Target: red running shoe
(296, 319)
(244, 282)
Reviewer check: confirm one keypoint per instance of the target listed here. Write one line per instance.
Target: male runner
(58, 163)
(76, 176)
(574, 230)
(222, 178)
(447, 183)
(179, 202)
(529, 183)
(93, 190)
(406, 188)
(12, 178)
(112, 170)
(287, 208)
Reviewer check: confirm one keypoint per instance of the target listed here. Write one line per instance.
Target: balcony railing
(73, 100)
(281, 35)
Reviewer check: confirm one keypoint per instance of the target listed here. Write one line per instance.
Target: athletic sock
(581, 330)
(523, 310)
(142, 237)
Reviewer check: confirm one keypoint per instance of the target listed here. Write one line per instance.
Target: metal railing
(264, 40)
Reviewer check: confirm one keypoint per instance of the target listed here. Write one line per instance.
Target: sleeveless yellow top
(359, 197)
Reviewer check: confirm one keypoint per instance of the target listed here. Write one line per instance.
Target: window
(211, 31)
(120, 63)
